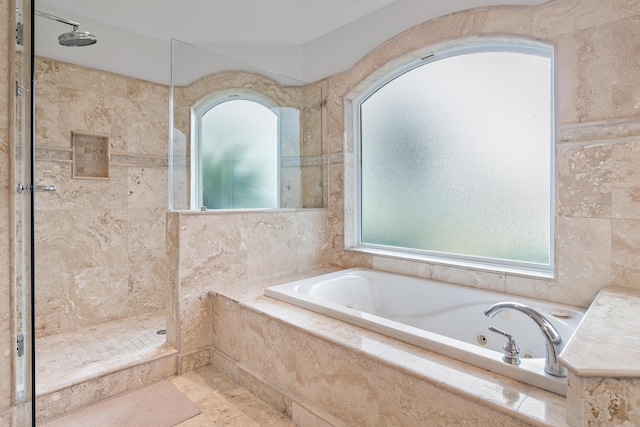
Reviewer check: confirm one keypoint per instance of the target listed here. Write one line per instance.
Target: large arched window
(456, 158)
(235, 154)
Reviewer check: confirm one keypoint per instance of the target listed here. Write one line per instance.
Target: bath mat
(158, 405)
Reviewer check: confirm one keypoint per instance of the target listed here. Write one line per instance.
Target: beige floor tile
(225, 403)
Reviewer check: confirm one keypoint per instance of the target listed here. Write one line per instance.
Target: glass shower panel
(201, 79)
(21, 200)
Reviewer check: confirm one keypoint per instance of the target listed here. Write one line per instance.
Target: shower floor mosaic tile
(69, 357)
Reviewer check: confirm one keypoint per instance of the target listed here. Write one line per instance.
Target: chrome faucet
(552, 338)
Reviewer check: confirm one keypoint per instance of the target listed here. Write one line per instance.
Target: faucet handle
(511, 349)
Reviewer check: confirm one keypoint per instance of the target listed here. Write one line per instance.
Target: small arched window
(456, 158)
(235, 151)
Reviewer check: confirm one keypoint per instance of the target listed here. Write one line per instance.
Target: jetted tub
(443, 318)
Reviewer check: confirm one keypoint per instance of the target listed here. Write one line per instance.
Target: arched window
(456, 158)
(235, 151)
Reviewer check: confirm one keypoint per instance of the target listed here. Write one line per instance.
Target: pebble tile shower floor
(96, 349)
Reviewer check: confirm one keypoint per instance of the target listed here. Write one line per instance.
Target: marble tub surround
(100, 244)
(603, 359)
(308, 365)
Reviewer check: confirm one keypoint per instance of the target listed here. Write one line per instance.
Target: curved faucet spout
(552, 338)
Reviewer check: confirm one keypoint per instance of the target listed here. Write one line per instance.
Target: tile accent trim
(65, 155)
(604, 130)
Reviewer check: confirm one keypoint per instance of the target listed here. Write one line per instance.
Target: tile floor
(65, 358)
(225, 403)
(72, 356)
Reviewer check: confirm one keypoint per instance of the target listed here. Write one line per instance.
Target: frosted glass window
(239, 155)
(456, 159)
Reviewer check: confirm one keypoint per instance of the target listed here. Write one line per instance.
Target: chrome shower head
(77, 38)
(73, 38)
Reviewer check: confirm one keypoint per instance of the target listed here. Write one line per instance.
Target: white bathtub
(443, 318)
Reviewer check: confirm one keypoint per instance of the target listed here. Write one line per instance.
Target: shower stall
(108, 174)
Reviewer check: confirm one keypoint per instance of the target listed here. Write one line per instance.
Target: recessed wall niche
(90, 155)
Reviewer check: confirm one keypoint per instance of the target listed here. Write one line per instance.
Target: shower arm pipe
(74, 24)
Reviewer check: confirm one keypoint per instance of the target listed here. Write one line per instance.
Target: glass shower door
(21, 215)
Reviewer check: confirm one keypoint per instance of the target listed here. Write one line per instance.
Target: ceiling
(304, 39)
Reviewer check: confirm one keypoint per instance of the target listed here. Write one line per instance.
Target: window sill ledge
(455, 263)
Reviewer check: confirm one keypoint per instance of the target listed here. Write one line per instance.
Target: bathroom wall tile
(84, 99)
(323, 367)
(584, 180)
(78, 193)
(584, 256)
(147, 235)
(562, 17)
(47, 109)
(212, 249)
(147, 187)
(312, 244)
(268, 347)
(81, 272)
(545, 290)
(497, 21)
(195, 321)
(191, 361)
(87, 112)
(147, 117)
(311, 186)
(5, 418)
(574, 399)
(475, 278)
(584, 75)
(261, 388)
(172, 293)
(410, 268)
(626, 180)
(625, 249)
(227, 330)
(337, 87)
(90, 79)
(609, 402)
(261, 233)
(402, 400)
(147, 284)
(625, 8)
(626, 67)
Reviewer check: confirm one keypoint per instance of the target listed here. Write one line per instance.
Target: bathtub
(443, 318)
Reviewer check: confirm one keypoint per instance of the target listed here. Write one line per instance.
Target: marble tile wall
(210, 249)
(597, 146)
(100, 243)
